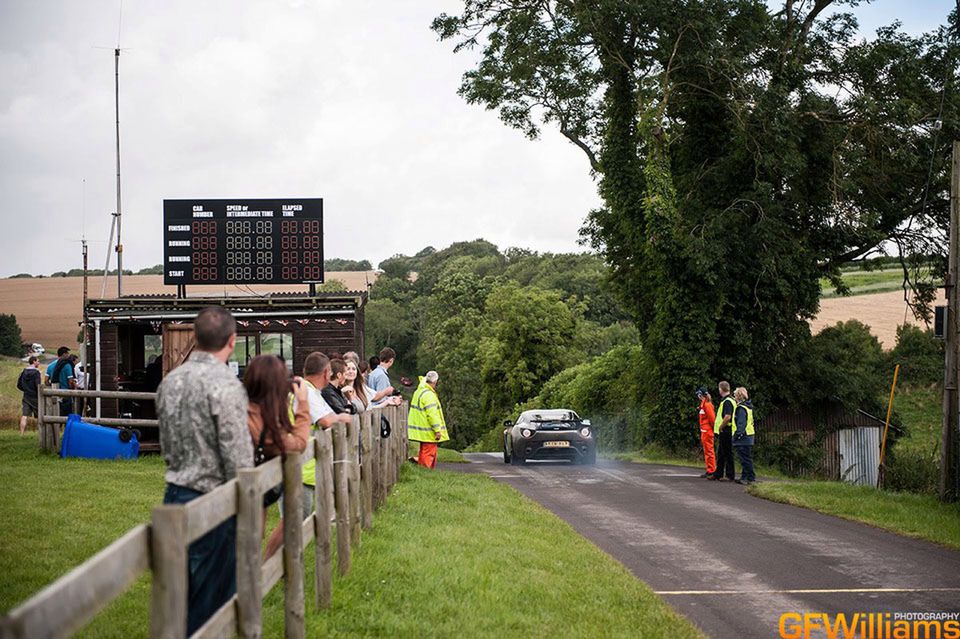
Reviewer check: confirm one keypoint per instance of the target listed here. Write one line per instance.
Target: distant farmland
(49, 309)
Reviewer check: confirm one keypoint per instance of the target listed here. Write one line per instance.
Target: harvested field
(49, 310)
(882, 312)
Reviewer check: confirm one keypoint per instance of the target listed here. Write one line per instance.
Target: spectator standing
(723, 433)
(60, 375)
(708, 418)
(316, 375)
(353, 389)
(278, 424)
(743, 436)
(332, 393)
(28, 383)
(202, 414)
(378, 379)
(425, 423)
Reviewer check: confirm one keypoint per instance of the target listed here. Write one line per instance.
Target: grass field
(450, 555)
(920, 516)
(867, 282)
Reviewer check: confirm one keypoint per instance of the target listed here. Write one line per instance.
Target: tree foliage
(10, 338)
(742, 152)
(340, 264)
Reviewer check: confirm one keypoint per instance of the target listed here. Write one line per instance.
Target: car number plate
(562, 443)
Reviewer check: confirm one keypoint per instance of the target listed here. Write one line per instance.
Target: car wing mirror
(585, 422)
(507, 423)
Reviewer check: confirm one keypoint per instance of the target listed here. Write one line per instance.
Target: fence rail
(49, 419)
(355, 471)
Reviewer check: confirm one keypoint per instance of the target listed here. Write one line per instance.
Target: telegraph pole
(951, 410)
(116, 95)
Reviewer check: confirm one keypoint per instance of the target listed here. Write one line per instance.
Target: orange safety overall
(707, 417)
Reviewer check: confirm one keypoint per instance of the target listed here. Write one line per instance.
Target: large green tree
(742, 152)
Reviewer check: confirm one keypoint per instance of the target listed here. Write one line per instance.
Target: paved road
(730, 562)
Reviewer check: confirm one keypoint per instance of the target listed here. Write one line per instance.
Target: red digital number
(204, 243)
(204, 273)
(288, 242)
(311, 226)
(288, 226)
(204, 258)
(290, 273)
(204, 227)
(312, 272)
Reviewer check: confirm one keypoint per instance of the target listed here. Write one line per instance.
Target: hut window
(279, 344)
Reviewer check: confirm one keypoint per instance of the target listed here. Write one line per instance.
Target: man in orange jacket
(707, 417)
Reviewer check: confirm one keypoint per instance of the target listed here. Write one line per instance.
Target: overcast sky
(354, 102)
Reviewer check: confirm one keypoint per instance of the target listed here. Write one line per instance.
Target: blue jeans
(211, 564)
(745, 455)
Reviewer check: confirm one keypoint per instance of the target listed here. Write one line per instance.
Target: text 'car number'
(557, 444)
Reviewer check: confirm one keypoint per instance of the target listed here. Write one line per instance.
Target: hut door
(860, 455)
(178, 343)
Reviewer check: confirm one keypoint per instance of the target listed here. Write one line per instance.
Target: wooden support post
(54, 428)
(168, 555)
(293, 599)
(951, 392)
(249, 537)
(353, 437)
(366, 487)
(41, 423)
(375, 452)
(382, 461)
(323, 571)
(342, 500)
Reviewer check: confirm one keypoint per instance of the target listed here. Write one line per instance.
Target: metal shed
(849, 441)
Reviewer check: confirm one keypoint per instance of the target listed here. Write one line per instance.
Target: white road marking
(801, 591)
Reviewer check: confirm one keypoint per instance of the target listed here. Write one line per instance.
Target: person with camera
(276, 427)
(743, 436)
(708, 418)
(204, 438)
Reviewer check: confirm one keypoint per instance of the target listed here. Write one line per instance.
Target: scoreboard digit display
(243, 241)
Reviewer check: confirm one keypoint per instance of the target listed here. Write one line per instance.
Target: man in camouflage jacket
(202, 411)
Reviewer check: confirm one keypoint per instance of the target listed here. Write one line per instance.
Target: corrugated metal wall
(860, 455)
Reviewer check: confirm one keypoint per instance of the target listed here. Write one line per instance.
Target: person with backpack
(28, 383)
(60, 375)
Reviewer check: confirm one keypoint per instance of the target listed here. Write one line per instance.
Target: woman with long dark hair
(276, 430)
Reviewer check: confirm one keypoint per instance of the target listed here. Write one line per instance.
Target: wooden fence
(355, 471)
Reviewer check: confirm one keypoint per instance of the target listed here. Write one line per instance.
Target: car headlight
(584, 432)
(526, 432)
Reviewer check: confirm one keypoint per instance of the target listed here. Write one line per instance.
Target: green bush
(919, 354)
(845, 364)
(10, 340)
(793, 456)
(913, 469)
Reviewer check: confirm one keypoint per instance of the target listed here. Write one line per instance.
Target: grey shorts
(307, 501)
(28, 407)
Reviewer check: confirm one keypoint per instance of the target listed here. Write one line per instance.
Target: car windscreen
(561, 424)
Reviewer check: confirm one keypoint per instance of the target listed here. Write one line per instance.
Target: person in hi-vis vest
(425, 423)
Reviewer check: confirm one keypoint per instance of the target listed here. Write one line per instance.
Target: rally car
(556, 433)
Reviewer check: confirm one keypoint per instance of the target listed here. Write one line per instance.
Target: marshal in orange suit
(707, 416)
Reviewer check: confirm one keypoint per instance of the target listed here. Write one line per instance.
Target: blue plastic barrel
(81, 439)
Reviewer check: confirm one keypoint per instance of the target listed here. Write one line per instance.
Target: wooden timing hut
(133, 341)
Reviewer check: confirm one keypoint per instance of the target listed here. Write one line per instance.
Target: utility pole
(951, 410)
(116, 95)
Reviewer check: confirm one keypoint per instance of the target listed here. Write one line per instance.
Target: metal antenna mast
(117, 214)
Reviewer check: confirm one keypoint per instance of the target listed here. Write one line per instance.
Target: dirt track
(49, 309)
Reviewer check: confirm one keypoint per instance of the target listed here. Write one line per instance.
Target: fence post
(353, 437)
(41, 426)
(366, 499)
(54, 429)
(293, 603)
(375, 450)
(341, 497)
(249, 537)
(168, 560)
(323, 575)
(392, 456)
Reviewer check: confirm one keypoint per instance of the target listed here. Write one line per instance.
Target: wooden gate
(178, 343)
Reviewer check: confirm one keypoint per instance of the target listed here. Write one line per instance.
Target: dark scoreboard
(243, 241)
